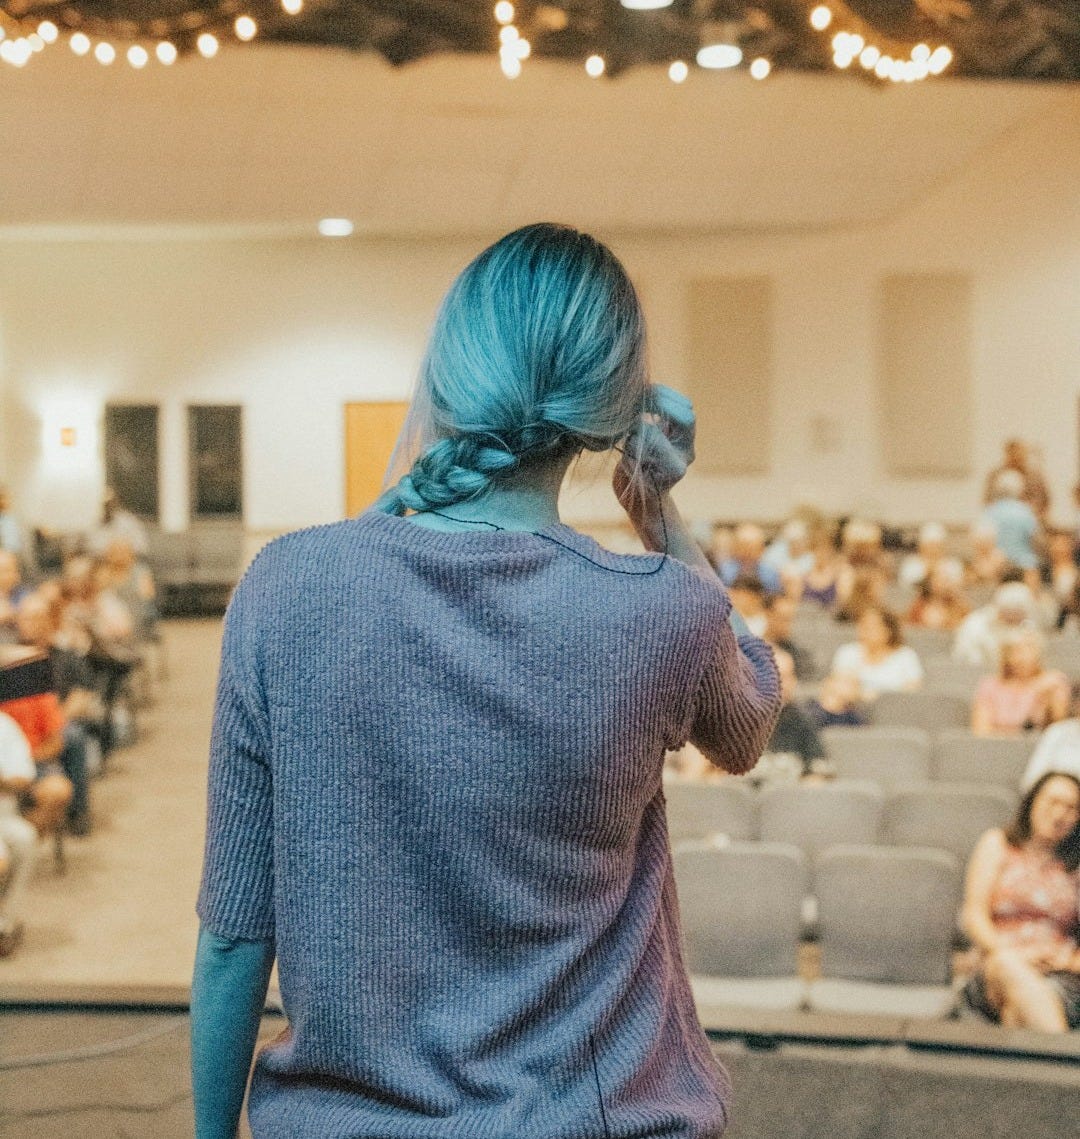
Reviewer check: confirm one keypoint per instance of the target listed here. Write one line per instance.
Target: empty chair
(885, 924)
(813, 816)
(697, 810)
(946, 816)
(1063, 652)
(929, 643)
(933, 711)
(888, 756)
(944, 673)
(740, 907)
(960, 757)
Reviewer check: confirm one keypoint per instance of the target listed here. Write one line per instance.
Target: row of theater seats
(812, 817)
(885, 925)
(897, 755)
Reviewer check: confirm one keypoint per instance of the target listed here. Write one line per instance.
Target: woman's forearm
(228, 992)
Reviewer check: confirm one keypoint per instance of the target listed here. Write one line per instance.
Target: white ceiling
(271, 139)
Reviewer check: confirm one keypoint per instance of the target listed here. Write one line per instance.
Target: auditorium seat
(960, 757)
(888, 756)
(945, 816)
(885, 925)
(813, 816)
(944, 673)
(740, 907)
(928, 643)
(933, 711)
(696, 810)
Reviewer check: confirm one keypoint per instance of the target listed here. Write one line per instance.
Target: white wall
(294, 328)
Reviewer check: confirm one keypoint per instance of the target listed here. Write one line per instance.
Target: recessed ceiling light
(335, 227)
(646, 5)
(718, 56)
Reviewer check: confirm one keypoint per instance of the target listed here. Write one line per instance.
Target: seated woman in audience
(819, 582)
(917, 567)
(18, 838)
(879, 660)
(795, 732)
(863, 590)
(987, 564)
(837, 704)
(1023, 695)
(940, 603)
(128, 583)
(862, 556)
(44, 804)
(1058, 749)
(1020, 910)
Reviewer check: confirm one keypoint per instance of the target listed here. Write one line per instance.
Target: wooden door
(371, 430)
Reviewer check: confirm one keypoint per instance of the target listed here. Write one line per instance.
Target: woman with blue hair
(435, 778)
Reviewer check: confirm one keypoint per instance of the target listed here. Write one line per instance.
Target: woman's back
(441, 754)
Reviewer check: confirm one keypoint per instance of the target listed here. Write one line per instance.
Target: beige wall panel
(925, 375)
(729, 372)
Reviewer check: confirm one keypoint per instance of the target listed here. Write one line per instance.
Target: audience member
(117, 524)
(1015, 525)
(1023, 695)
(779, 617)
(1058, 749)
(916, 568)
(748, 598)
(721, 541)
(789, 553)
(864, 589)
(12, 591)
(1062, 575)
(1020, 910)
(987, 563)
(819, 584)
(10, 531)
(746, 560)
(1033, 488)
(130, 584)
(80, 705)
(940, 603)
(879, 660)
(795, 732)
(978, 639)
(837, 704)
(18, 838)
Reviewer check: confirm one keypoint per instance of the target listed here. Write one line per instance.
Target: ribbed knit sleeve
(738, 699)
(236, 896)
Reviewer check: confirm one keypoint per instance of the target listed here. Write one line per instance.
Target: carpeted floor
(123, 912)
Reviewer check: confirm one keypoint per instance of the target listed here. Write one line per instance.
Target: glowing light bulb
(79, 43)
(855, 44)
(245, 28)
(166, 52)
(719, 56)
(939, 60)
(293, 7)
(840, 41)
(522, 49)
(35, 41)
(760, 68)
(48, 31)
(678, 71)
(138, 56)
(881, 68)
(504, 12)
(820, 18)
(842, 60)
(920, 53)
(510, 64)
(646, 5)
(869, 56)
(335, 227)
(508, 34)
(104, 53)
(207, 45)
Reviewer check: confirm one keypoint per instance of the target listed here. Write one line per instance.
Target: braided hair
(538, 351)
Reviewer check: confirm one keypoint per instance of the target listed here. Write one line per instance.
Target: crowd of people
(89, 619)
(991, 600)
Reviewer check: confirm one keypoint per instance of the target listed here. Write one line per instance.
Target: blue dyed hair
(538, 350)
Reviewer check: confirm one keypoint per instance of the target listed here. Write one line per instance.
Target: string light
(166, 52)
(246, 29)
(79, 43)
(510, 64)
(849, 46)
(939, 60)
(48, 31)
(869, 56)
(293, 7)
(820, 18)
(678, 71)
(104, 53)
(594, 66)
(208, 45)
(504, 12)
(36, 42)
(138, 56)
(760, 68)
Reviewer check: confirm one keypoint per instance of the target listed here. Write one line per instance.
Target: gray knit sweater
(435, 782)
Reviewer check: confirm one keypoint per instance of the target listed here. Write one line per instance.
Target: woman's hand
(658, 452)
